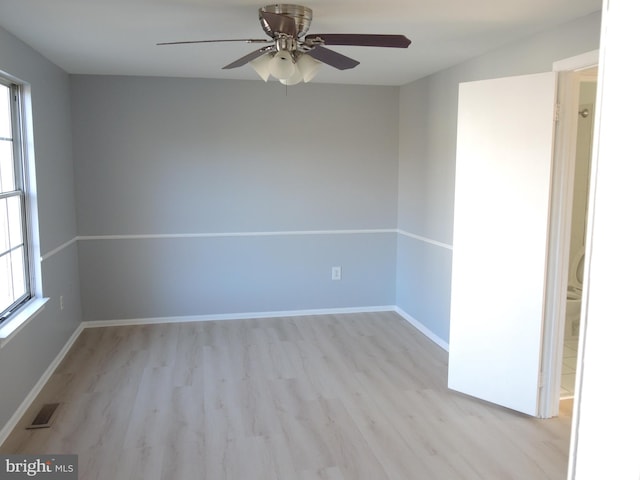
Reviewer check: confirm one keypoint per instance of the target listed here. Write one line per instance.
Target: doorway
(579, 214)
(576, 75)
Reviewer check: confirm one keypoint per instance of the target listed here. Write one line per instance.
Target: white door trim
(560, 227)
(577, 63)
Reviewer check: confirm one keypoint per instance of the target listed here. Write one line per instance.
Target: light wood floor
(337, 397)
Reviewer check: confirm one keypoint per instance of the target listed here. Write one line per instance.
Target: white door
(500, 236)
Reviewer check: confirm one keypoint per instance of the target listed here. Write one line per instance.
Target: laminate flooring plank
(390, 448)
(147, 434)
(257, 407)
(87, 351)
(246, 458)
(454, 436)
(187, 363)
(410, 426)
(279, 457)
(320, 374)
(286, 359)
(331, 473)
(223, 419)
(285, 329)
(162, 343)
(220, 363)
(305, 436)
(350, 450)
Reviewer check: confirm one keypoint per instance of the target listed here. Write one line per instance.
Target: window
(15, 288)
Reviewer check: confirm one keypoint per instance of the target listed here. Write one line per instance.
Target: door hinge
(556, 113)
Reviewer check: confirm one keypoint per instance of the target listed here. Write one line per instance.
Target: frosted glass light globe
(281, 65)
(293, 79)
(261, 66)
(308, 66)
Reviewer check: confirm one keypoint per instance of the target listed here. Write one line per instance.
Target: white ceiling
(118, 36)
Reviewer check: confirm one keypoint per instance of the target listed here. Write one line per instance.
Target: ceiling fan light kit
(293, 56)
(289, 69)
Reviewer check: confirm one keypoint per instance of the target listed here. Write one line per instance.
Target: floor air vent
(44, 417)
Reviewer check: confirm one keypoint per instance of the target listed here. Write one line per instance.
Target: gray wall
(215, 164)
(27, 355)
(428, 112)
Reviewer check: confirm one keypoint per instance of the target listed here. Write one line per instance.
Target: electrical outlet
(61, 302)
(336, 273)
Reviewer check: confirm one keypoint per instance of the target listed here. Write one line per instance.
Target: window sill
(21, 319)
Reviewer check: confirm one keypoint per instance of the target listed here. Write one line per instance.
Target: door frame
(560, 226)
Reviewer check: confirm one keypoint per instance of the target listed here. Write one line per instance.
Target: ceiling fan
(291, 55)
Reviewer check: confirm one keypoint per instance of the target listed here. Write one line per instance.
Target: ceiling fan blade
(247, 58)
(280, 23)
(245, 40)
(335, 59)
(360, 40)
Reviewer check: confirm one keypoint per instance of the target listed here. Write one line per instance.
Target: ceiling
(118, 37)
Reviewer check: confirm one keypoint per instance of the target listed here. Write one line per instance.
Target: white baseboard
(422, 329)
(31, 396)
(237, 316)
(26, 403)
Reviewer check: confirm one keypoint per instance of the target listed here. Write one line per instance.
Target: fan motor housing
(300, 14)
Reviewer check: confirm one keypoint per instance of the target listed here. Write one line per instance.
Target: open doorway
(577, 85)
(587, 86)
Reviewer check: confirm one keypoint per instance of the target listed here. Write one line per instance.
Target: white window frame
(27, 309)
